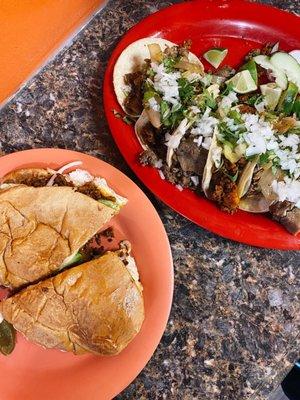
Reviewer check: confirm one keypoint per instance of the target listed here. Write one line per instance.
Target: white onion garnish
(61, 170)
(275, 48)
(161, 174)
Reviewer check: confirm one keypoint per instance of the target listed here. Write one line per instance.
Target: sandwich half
(46, 217)
(96, 307)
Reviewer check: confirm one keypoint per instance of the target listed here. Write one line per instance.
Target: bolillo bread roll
(41, 227)
(96, 307)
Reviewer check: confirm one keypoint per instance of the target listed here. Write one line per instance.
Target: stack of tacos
(203, 133)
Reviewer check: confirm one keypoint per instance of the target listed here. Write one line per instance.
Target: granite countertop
(233, 332)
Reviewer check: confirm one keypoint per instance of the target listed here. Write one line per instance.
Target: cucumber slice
(295, 54)
(279, 75)
(289, 65)
(288, 98)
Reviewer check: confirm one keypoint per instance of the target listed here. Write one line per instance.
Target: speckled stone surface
(233, 332)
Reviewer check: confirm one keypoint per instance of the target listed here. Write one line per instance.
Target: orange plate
(31, 372)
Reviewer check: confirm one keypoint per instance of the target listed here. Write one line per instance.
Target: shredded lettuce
(76, 258)
(110, 203)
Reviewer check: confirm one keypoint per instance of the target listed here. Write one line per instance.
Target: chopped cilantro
(268, 156)
(296, 108)
(209, 99)
(205, 100)
(186, 90)
(169, 64)
(264, 158)
(236, 116)
(269, 116)
(296, 131)
(259, 99)
(234, 177)
(170, 117)
(150, 73)
(255, 99)
(176, 118)
(228, 89)
(176, 107)
(164, 111)
(124, 118)
(148, 95)
(226, 135)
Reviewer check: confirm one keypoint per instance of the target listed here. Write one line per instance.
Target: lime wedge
(215, 56)
(242, 82)
(272, 94)
(251, 67)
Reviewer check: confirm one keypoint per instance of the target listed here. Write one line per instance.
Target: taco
(221, 175)
(130, 71)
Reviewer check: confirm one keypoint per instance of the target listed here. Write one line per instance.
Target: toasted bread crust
(95, 307)
(41, 226)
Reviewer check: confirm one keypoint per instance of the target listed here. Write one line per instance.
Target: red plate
(239, 26)
(33, 373)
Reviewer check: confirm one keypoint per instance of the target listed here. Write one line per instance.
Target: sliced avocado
(279, 75)
(73, 259)
(7, 338)
(110, 203)
(286, 102)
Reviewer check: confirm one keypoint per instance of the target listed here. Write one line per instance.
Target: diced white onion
(287, 189)
(166, 83)
(195, 180)
(79, 177)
